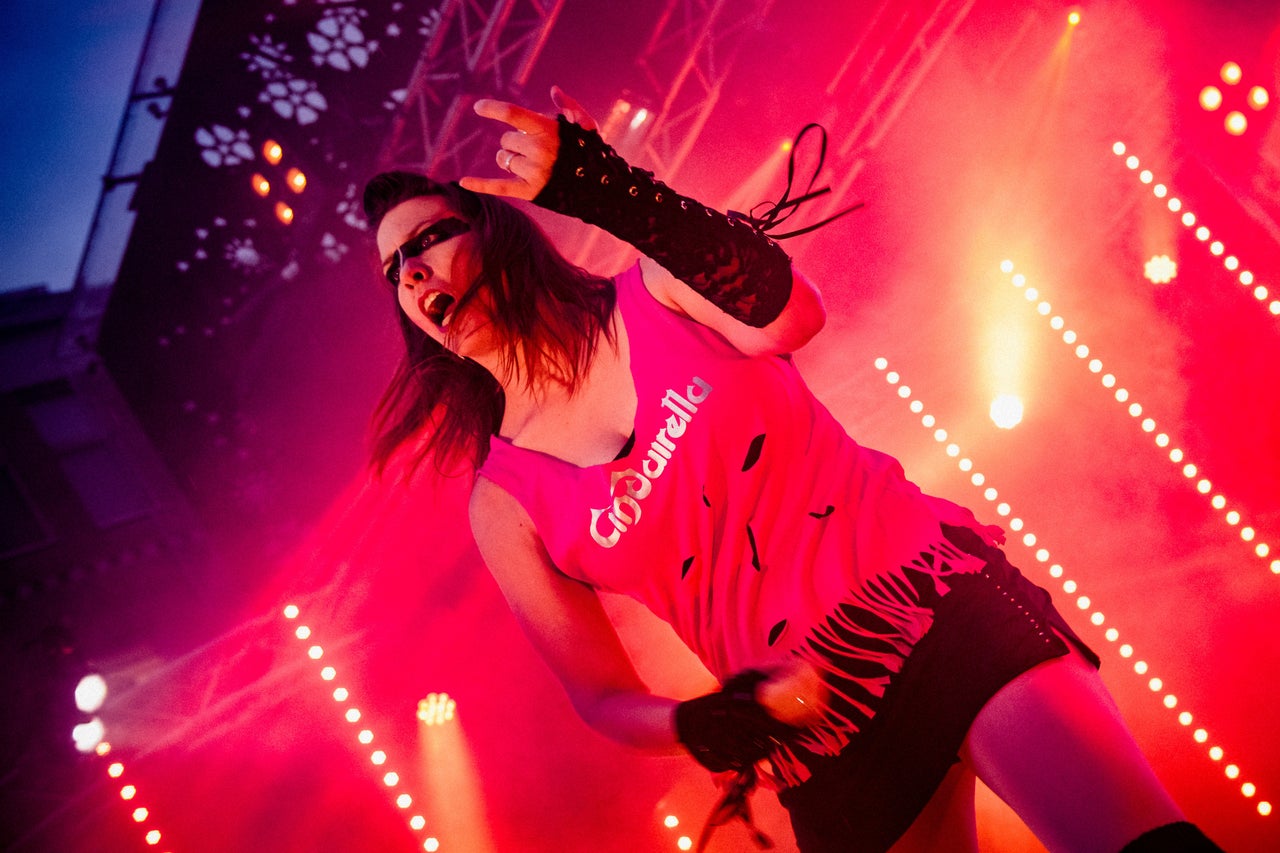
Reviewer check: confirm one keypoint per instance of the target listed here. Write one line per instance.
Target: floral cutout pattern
(222, 146)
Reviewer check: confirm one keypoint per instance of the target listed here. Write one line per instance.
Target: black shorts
(991, 627)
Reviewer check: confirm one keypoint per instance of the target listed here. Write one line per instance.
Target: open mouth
(438, 308)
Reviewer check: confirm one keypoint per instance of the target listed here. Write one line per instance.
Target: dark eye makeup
(436, 232)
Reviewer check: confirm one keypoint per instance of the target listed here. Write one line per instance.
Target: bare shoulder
(661, 284)
(495, 514)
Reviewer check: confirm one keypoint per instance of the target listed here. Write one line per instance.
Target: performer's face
(429, 255)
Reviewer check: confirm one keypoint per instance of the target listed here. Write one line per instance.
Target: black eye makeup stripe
(437, 232)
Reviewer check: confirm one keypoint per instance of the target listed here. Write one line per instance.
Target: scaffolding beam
(476, 49)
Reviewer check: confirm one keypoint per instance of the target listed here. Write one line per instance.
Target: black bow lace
(775, 213)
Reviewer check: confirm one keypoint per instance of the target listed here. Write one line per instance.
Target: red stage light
(1210, 98)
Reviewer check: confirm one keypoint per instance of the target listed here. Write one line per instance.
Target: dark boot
(1181, 837)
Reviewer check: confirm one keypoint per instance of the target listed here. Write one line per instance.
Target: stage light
(87, 736)
(1231, 73)
(685, 843)
(297, 180)
(91, 692)
(153, 837)
(1176, 455)
(353, 715)
(1073, 17)
(1235, 123)
(431, 845)
(671, 821)
(1264, 808)
(1210, 98)
(272, 152)
(1006, 411)
(260, 185)
(115, 770)
(1259, 98)
(284, 213)
(140, 814)
(128, 792)
(103, 748)
(436, 709)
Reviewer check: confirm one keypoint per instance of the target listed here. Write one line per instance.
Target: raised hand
(529, 149)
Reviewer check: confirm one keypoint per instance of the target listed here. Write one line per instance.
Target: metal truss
(476, 49)
(685, 64)
(885, 66)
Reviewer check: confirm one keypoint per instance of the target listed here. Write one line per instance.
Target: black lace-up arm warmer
(734, 266)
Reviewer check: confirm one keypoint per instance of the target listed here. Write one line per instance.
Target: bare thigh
(1053, 746)
(948, 821)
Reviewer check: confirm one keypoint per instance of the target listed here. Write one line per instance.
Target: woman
(649, 435)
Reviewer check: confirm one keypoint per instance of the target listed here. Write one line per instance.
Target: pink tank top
(743, 513)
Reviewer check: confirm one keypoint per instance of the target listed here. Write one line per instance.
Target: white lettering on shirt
(627, 488)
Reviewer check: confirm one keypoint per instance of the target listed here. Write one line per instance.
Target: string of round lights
(129, 795)
(1096, 617)
(364, 735)
(1189, 219)
(1189, 469)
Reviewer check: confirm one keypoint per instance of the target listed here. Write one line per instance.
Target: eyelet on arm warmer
(729, 729)
(737, 268)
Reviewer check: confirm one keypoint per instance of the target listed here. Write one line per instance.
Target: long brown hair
(548, 315)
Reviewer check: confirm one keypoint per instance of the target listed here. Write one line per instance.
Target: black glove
(729, 729)
(726, 260)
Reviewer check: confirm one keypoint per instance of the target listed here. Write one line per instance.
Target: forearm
(728, 262)
(639, 720)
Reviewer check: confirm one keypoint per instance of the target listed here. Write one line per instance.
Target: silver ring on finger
(506, 165)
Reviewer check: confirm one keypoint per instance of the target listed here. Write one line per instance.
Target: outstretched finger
(509, 187)
(572, 110)
(515, 115)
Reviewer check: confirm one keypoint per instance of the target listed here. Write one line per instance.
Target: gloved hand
(729, 729)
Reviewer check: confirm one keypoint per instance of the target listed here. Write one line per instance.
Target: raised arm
(569, 628)
(723, 272)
